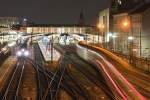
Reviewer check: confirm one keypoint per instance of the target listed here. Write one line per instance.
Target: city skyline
(75, 50)
(62, 12)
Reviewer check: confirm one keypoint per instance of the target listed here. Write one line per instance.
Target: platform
(46, 52)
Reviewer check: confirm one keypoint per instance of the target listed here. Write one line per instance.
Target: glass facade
(51, 29)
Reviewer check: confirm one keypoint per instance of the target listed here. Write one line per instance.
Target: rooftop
(140, 8)
(59, 25)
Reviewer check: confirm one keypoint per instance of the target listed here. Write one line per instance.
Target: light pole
(93, 39)
(140, 43)
(130, 38)
(52, 49)
(3, 38)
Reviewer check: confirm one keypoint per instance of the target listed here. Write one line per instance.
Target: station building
(90, 32)
(58, 28)
(134, 23)
(127, 29)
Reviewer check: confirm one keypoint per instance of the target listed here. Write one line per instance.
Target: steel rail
(19, 71)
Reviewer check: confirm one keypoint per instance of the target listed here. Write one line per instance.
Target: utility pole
(31, 37)
(3, 38)
(51, 50)
(17, 37)
(98, 39)
(140, 42)
(93, 39)
(65, 39)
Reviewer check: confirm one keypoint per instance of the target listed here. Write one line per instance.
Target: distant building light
(114, 36)
(17, 22)
(110, 34)
(119, 1)
(24, 19)
(130, 38)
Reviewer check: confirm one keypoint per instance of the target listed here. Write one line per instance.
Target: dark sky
(53, 11)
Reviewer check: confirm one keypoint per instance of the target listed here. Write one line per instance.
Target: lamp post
(140, 43)
(3, 38)
(131, 38)
(52, 40)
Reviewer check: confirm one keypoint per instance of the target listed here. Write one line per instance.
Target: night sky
(53, 11)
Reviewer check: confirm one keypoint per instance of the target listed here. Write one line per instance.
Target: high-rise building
(134, 23)
(118, 6)
(104, 25)
(9, 21)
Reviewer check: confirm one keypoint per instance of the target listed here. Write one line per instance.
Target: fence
(142, 63)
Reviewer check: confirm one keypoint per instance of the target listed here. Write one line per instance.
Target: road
(137, 79)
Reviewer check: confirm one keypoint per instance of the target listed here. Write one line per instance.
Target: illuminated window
(63, 30)
(119, 2)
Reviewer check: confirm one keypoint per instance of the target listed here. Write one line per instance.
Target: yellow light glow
(125, 24)
(100, 26)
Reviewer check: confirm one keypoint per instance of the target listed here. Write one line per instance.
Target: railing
(142, 63)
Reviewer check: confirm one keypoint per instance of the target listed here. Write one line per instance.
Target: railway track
(52, 78)
(12, 90)
(96, 77)
(57, 81)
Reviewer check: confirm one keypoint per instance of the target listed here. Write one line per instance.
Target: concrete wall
(104, 17)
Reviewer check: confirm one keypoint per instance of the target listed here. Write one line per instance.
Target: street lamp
(100, 26)
(131, 38)
(125, 23)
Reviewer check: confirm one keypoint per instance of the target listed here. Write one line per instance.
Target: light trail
(124, 88)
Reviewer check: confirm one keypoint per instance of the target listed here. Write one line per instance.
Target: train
(5, 52)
